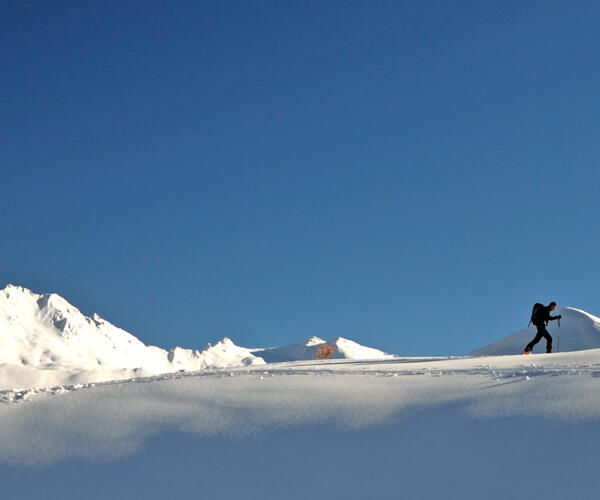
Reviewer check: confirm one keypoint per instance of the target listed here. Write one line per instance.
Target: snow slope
(578, 330)
(495, 428)
(352, 393)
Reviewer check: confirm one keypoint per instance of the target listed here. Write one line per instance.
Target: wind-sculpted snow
(112, 419)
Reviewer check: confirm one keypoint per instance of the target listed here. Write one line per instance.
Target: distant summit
(578, 330)
(305, 351)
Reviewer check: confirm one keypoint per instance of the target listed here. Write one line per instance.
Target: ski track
(374, 368)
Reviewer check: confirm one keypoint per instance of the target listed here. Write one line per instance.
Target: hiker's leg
(548, 338)
(537, 338)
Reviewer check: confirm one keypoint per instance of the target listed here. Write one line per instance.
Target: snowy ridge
(578, 330)
(45, 331)
(223, 354)
(301, 351)
(46, 341)
(305, 351)
(348, 349)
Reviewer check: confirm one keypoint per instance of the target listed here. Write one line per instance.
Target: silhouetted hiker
(540, 317)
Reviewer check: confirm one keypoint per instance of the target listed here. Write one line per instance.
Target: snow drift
(578, 330)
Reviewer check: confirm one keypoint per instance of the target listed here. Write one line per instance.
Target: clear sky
(413, 175)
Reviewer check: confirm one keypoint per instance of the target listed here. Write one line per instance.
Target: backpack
(537, 314)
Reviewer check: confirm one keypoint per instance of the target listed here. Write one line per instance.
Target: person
(540, 319)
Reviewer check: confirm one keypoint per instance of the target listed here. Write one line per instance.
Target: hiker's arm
(552, 318)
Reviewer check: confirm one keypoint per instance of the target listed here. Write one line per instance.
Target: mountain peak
(13, 291)
(574, 312)
(350, 349)
(303, 351)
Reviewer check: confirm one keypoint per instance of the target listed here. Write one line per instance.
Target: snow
(224, 353)
(348, 349)
(45, 331)
(248, 400)
(448, 428)
(578, 330)
(229, 421)
(46, 341)
(302, 351)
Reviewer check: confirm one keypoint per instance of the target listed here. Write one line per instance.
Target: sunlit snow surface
(429, 428)
(87, 411)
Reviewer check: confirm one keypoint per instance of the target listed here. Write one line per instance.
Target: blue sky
(411, 175)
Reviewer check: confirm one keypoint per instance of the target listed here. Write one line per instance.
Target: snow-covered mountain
(46, 341)
(252, 426)
(43, 337)
(45, 331)
(578, 330)
(305, 351)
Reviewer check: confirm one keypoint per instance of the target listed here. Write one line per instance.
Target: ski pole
(559, 335)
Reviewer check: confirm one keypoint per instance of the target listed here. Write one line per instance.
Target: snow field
(115, 418)
(88, 411)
